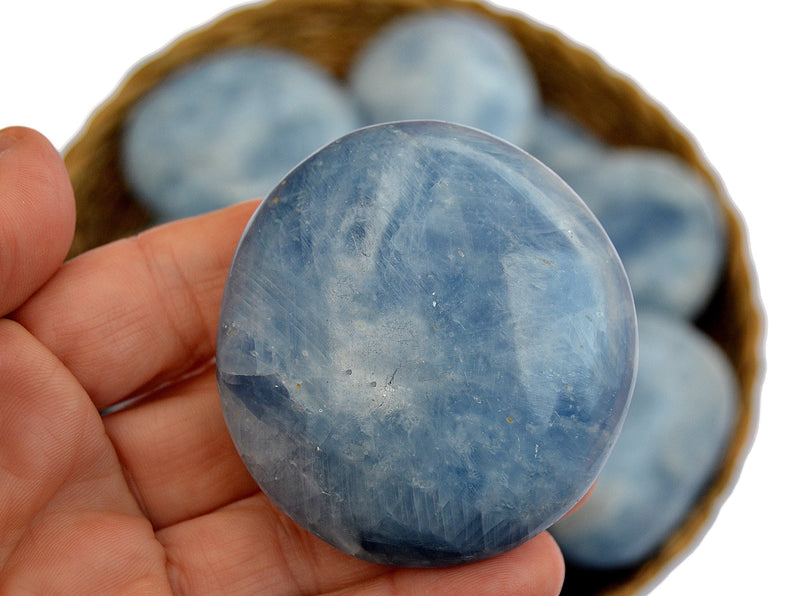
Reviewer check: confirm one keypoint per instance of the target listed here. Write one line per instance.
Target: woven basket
(330, 32)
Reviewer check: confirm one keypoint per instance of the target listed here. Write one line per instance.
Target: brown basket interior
(571, 78)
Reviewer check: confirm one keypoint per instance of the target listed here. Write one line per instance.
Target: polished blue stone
(452, 66)
(564, 145)
(228, 127)
(679, 423)
(426, 345)
(665, 222)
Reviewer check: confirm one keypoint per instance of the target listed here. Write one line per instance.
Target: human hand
(152, 497)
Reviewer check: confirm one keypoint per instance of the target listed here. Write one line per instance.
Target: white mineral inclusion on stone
(227, 127)
(426, 345)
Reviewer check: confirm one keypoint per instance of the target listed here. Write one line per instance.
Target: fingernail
(7, 140)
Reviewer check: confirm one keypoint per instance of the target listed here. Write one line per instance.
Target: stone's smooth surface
(451, 66)
(228, 127)
(426, 345)
(679, 423)
(564, 145)
(665, 223)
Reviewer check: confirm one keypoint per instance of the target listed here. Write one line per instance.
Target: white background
(726, 70)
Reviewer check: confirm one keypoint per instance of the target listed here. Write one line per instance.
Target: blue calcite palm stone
(448, 65)
(665, 222)
(679, 423)
(426, 345)
(227, 127)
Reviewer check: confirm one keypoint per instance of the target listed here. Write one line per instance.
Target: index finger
(131, 315)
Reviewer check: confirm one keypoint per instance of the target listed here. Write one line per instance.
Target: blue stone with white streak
(678, 427)
(426, 345)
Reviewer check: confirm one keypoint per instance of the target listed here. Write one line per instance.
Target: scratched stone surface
(426, 345)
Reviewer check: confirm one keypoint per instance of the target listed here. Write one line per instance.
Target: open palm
(152, 497)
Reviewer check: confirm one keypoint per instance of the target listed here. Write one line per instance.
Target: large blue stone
(227, 127)
(426, 345)
(448, 65)
(679, 423)
(665, 222)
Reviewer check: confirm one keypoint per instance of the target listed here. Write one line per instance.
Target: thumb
(37, 214)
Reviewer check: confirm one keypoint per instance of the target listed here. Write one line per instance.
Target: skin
(153, 498)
